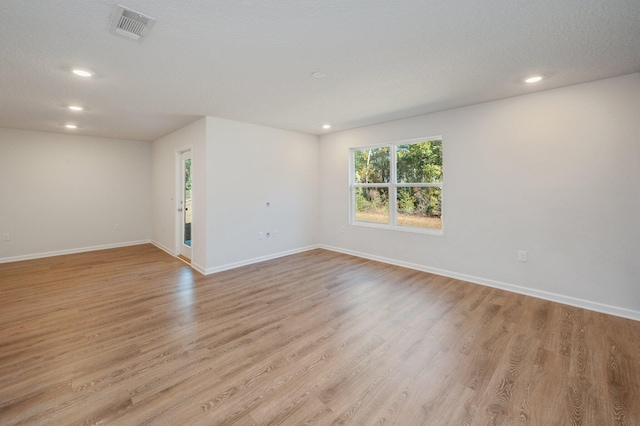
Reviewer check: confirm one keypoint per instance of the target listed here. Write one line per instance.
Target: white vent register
(129, 23)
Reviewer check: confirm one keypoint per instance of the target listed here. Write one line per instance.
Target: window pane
(372, 204)
(419, 162)
(420, 207)
(372, 165)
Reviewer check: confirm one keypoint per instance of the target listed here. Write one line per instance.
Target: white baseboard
(258, 259)
(198, 268)
(163, 248)
(553, 297)
(172, 253)
(71, 251)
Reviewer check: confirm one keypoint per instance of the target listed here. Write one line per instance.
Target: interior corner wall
(165, 190)
(249, 166)
(555, 173)
(63, 193)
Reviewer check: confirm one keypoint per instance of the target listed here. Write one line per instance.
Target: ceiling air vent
(130, 23)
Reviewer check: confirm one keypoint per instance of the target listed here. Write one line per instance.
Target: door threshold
(184, 259)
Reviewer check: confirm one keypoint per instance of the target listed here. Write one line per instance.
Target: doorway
(185, 210)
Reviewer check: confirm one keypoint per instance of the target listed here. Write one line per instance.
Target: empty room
(320, 212)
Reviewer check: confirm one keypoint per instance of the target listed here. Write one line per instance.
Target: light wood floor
(133, 336)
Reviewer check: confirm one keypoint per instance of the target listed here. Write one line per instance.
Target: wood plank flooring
(132, 336)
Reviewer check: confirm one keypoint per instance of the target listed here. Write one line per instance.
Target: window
(409, 172)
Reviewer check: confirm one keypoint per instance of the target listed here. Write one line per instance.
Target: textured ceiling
(252, 60)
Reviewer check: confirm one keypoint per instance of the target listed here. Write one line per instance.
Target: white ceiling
(251, 60)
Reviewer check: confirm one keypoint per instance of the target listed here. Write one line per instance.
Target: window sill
(411, 229)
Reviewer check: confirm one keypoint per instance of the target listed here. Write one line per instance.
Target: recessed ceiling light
(326, 126)
(318, 74)
(533, 79)
(82, 73)
(70, 126)
(75, 108)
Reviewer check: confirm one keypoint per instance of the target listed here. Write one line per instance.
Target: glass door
(185, 204)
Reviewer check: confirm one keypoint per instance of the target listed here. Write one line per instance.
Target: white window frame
(392, 188)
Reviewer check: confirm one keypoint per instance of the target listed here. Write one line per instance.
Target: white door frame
(181, 248)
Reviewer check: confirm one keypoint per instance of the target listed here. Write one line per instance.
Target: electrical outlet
(116, 227)
(6, 237)
(522, 256)
(261, 235)
(274, 233)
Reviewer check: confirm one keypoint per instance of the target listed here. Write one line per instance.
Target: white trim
(198, 268)
(401, 228)
(166, 250)
(400, 142)
(553, 297)
(258, 259)
(71, 251)
(163, 248)
(393, 189)
(545, 295)
(399, 185)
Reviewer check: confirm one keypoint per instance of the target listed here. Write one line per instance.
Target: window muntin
(409, 172)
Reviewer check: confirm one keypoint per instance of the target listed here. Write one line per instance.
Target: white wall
(555, 173)
(63, 193)
(165, 193)
(247, 166)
